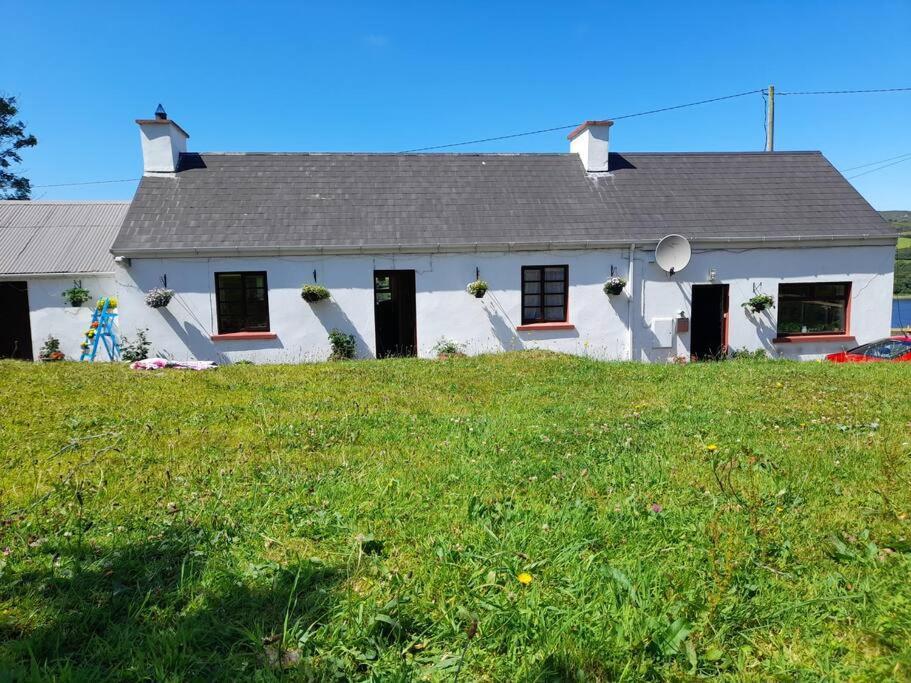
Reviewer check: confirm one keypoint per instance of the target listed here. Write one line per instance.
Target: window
(813, 308)
(544, 294)
(242, 302)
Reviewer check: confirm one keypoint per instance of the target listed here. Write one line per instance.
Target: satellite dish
(673, 253)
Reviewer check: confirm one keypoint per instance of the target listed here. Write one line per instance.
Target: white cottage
(397, 237)
(45, 248)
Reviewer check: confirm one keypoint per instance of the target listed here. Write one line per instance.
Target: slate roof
(254, 201)
(46, 237)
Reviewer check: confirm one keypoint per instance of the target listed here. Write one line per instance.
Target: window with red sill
(813, 308)
(545, 291)
(242, 302)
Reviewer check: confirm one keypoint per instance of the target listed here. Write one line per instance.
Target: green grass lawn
(747, 520)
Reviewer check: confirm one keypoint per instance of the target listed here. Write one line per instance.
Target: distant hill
(900, 218)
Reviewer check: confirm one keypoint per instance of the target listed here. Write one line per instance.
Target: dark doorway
(16, 330)
(709, 329)
(394, 313)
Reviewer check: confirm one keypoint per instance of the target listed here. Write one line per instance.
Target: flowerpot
(614, 291)
(480, 294)
(75, 304)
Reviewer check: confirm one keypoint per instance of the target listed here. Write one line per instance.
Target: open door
(709, 324)
(395, 316)
(16, 330)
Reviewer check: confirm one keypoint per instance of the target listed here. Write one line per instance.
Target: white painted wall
(444, 309)
(868, 268)
(51, 315)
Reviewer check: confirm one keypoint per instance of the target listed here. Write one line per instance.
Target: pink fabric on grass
(159, 363)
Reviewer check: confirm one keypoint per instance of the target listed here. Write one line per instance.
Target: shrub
(478, 288)
(51, 350)
(159, 297)
(343, 345)
(77, 294)
(135, 350)
(314, 293)
(447, 348)
(759, 303)
(614, 286)
(746, 354)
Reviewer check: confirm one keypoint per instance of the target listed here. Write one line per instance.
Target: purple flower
(656, 508)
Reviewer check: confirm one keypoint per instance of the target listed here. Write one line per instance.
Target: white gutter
(322, 250)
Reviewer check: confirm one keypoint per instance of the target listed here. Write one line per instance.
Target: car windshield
(887, 349)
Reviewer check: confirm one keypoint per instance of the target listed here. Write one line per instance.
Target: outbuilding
(47, 248)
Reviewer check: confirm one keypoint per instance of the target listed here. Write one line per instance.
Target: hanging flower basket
(313, 293)
(478, 289)
(77, 294)
(614, 286)
(159, 297)
(759, 303)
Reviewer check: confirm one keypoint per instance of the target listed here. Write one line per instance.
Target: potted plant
(51, 352)
(759, 303)
(77, 294)
(478, 288)
(159, 297)
(111, 301)
(614, 286)
(314, 293)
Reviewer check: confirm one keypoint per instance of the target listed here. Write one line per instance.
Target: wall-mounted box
(663, 332)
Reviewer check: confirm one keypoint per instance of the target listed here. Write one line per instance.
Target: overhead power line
(874, 170)
(844, 92)
(569, 126)
(874, 163)
(90, 182)
(573, 125)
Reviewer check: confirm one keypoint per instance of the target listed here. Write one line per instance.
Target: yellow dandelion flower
(524, 578)
(711, 448)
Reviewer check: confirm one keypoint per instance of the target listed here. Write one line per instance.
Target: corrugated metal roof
(58, 237)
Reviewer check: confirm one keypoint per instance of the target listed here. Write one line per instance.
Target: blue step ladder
(102, 332)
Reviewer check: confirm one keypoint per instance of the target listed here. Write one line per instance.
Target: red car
(895, 349)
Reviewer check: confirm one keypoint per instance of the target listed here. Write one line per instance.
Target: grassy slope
(160, 525)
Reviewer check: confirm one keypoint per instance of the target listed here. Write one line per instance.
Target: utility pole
(770, 121)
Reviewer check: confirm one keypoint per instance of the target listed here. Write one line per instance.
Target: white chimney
(162, 142)
(590, 142)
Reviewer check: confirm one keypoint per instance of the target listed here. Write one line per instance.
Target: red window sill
(243, 336)
(810, 338)
(545, 326)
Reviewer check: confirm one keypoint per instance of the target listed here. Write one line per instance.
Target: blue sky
(344, 76)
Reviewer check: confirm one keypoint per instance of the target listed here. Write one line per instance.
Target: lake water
(901, 313)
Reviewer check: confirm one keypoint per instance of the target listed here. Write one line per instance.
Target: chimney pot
(160, 113)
